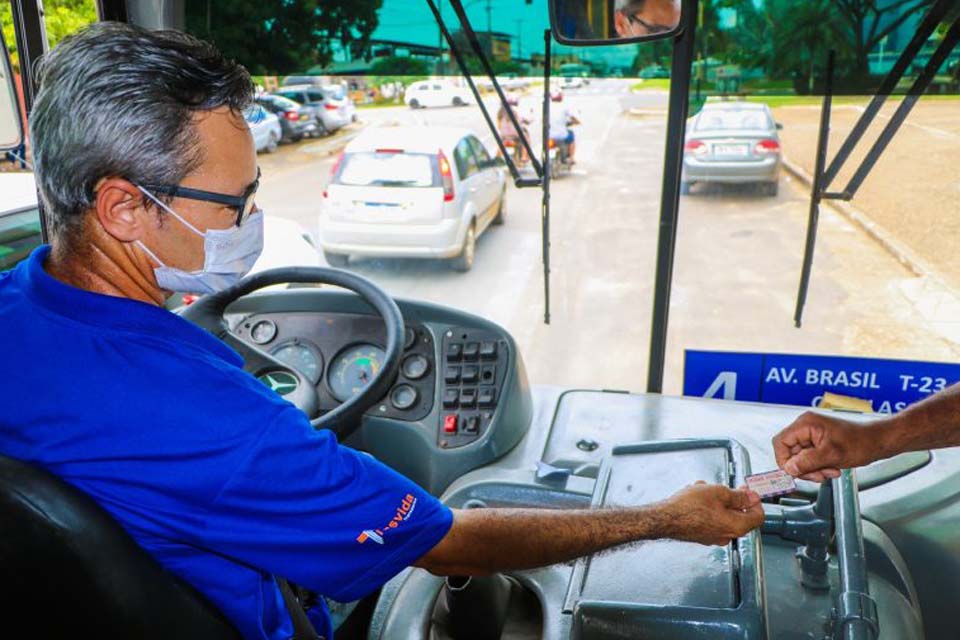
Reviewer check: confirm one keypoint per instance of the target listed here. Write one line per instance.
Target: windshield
(886, 267)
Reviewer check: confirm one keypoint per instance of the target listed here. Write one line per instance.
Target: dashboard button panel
(474, 370)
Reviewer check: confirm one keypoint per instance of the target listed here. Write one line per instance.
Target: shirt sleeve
(322, 515)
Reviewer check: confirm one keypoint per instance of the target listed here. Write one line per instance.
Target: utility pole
(520, 39)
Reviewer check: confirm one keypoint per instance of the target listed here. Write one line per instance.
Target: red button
(450, 423)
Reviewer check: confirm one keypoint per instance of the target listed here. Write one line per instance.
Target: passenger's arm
(815, 447)
(484, 541)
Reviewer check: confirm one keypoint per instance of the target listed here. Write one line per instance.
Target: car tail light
(330, 107)
(509, 143)
(291, 115)
(696, 147)
(766, 147)
(446, 176)
(334, 169)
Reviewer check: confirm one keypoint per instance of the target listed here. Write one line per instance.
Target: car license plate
(730, 149)
(303, 118)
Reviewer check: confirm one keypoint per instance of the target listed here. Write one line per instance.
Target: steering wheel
(207, 313)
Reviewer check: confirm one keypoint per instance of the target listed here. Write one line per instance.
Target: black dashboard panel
(474, 363)
(333, 336)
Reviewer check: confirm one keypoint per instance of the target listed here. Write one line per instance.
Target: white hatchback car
(436, 93)
(419, 192)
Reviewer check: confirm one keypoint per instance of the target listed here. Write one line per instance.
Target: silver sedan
(732, 143)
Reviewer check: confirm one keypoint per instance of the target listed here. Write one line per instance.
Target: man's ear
(620, 24)
(119, 206)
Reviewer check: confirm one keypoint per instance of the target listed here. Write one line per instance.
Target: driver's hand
(815, 447)
(713, 514)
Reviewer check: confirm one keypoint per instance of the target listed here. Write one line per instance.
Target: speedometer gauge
(353, 369)
(301, 357)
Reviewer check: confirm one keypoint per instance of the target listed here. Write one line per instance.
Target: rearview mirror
(11, 124)
(594, 22)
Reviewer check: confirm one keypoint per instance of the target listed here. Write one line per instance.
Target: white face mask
(229, 254)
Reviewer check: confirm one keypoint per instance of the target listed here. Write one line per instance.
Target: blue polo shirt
(221, 480)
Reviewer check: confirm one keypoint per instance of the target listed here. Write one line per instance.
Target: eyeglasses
(650, 28)
(244, 204)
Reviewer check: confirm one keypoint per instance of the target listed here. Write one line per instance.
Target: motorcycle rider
(561, 119)
(508, 132)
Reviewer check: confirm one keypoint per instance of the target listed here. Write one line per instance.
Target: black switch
(471, 373)
(468, 397)
(450, 398)
(454, 351)
(472, 425)
(488, 374)
(471, 350)
(452, 375)
(487, 396)
(488, 350)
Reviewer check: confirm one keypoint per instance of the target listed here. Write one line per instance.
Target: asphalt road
(738, 257)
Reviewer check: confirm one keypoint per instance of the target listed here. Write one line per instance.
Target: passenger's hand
(713, 514)
(815, 447)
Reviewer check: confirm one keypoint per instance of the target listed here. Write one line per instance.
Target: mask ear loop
(170, 211)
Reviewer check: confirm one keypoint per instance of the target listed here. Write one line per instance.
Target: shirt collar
(122, 314)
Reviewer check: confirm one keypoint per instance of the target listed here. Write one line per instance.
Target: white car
(19, 218)
(419, 192)
(436, 93)
(265, 127)
(571, 82)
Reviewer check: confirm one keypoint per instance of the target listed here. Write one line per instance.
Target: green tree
(399, 66)
(62, 17)
(283, 37)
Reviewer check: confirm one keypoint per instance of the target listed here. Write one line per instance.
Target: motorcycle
(559, 155)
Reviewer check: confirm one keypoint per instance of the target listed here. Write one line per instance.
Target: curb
(900, 252)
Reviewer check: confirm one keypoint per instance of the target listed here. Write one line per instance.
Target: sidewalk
(912, 196)
(934, 294)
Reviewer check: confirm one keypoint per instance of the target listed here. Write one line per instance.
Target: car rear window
(19, 235)
(732, 119)
(284, 103)
(388, 169)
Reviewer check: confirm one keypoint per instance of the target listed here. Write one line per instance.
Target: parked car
(571, 82)
(732, 142)
(296, 120)
(19, 218)
(424, 192)
(310, 80)
(265, 127)
(338, 96)
(331, 114)
(436, 93)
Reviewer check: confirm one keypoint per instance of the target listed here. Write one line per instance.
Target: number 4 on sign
(727, 380)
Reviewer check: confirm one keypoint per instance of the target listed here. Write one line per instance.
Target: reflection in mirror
(11, 127)
(603, 21)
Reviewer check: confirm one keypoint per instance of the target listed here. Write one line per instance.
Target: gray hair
(119, 100)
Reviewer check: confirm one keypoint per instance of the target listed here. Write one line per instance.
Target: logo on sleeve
(403, 513)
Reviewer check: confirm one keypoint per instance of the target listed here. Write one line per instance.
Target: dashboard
(459, 400)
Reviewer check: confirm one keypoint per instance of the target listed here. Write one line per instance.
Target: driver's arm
(484, 541)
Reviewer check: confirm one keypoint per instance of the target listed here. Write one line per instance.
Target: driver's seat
(69, 570)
